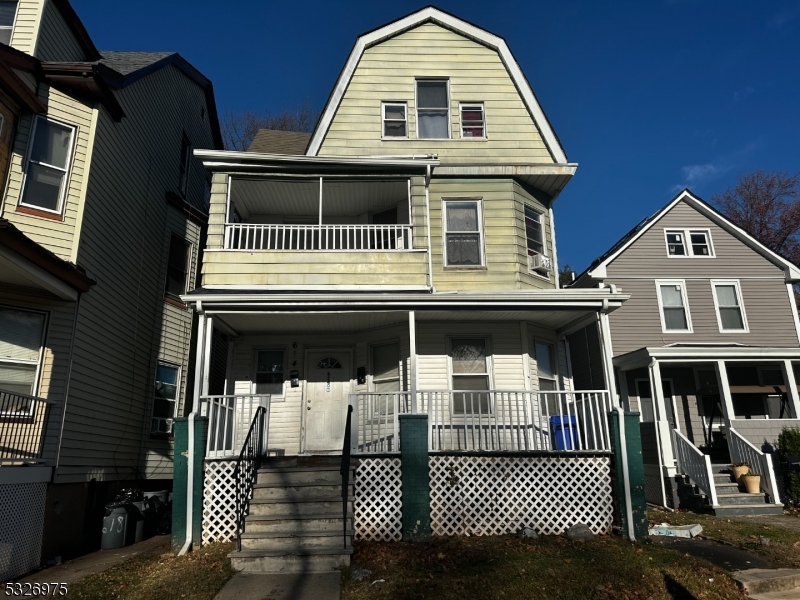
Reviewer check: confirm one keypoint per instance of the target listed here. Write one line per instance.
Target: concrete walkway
(262, 586)
(78, 568)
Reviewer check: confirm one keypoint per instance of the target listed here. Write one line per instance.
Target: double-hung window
(470, 371)
(534, 231)
(463, 233)
(728, 303)
(689, 243)
(395, 123)
(165, 398)
(177, 266)
(433, 109)
(8, 11)
(269, 372)
(47, 165)
(473, 121)
(545, 366)
(674, 307)
(21, 336)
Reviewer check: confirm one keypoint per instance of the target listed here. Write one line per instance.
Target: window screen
(433, 114)
(463, 235)
(672, 307)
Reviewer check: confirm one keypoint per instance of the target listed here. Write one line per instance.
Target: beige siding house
(103, 208)
(707, 346)
(406, 262)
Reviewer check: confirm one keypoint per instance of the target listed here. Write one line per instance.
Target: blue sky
(648, 97)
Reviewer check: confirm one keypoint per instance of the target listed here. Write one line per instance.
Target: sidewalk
(78, 568)
(258, 586)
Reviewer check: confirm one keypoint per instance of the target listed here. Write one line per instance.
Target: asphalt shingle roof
(270, 141)
(126, 63)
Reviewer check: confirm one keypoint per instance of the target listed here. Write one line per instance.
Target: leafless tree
(767, 206)
(240, 127)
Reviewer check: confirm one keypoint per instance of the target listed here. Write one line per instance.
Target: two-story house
(402, 259)
(706, 349)
(102, 211)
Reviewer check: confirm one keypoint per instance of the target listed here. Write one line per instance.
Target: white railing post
(710, 474)
(347, 238)
(743, 450)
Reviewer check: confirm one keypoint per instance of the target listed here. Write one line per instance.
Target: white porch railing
(696, 465)
(254, 236)
(742, 450)
(229, 418)
(486, 421)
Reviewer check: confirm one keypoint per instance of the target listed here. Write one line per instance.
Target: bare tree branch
(240, 127)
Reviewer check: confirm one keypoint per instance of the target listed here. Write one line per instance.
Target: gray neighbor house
(706, 349)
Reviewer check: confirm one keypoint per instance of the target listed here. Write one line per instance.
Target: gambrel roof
(597, 270)
(448, 21)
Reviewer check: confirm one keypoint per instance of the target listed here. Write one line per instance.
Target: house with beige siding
(706, 349)
(102, 214)
(400, 261)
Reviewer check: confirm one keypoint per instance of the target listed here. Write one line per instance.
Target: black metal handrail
(24, 421)
(247, 465)
(345, 469)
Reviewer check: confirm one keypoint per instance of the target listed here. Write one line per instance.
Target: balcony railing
(384, 238)
(487, 421)
(24, 424)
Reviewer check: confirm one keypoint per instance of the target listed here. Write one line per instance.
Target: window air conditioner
(539, 263)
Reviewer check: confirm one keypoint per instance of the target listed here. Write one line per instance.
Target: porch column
(625, 397)
(791, 387)
(724, 392)
(608, 355)
(412, 360)
(207, 355)
(199, 363)
(662, 422)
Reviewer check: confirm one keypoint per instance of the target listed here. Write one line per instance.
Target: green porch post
(180, 491)
(633, 453)
(415, 477)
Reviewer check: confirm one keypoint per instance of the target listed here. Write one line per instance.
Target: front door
(328, 373)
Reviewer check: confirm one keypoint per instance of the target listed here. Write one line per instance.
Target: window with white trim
(395, 121)
(689, 243)
(165, 398)
(8, 11)
(534, 231)
(21, 340)
(728, 303)
(473, 120)
(674, 307)
(463, 233)
(433, 109)
(546, 366)
(49, 153)
(470, 372)
(186, 155)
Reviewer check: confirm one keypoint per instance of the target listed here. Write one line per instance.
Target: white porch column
(412, 359)
(662, 421)
(320, 201)
(625, 397)
(724, 392)
(207, 355)
(526, 357)
(199, 362)
(791, 387)
(608, 355)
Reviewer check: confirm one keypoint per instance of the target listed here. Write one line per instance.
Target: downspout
(658, 440)
(626, 482)
(199, 364)
(553, 243)
(428, 227)
(67, 384)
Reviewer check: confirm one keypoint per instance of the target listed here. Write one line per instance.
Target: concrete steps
(730, 497)
(770, 584)
(295, 523)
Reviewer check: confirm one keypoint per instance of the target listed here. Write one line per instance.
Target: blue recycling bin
(564, 432)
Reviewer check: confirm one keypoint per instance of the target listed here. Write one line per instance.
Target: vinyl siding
(764, 296)
(26, 25)
(124, 323)
(387, 72)
(55, 235)
(503, 235)
(763, 432)
(56, 43)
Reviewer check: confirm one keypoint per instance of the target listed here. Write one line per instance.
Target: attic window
(433, 110)
(8, 11)
(473, 121)
(689, 243)
(394, 119)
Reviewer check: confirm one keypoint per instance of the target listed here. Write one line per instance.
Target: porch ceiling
(689, 354)
(340, 322)
(254, 196)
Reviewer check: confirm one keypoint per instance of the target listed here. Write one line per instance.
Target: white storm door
(328, 373)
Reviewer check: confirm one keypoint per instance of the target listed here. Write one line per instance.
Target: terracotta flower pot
(752, 484)
(738, 472)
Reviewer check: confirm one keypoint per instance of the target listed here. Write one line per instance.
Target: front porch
(705, 407)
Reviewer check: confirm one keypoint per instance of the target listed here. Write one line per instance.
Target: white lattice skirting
(21, 523)
(494, 495)
(219, 501)
(378, 504)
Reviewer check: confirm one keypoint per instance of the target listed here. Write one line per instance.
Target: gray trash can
(138, 517)
(116, 526)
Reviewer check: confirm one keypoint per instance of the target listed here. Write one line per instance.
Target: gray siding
(56, 42)
(764, 294)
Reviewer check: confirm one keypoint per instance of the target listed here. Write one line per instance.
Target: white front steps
(295, 523)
